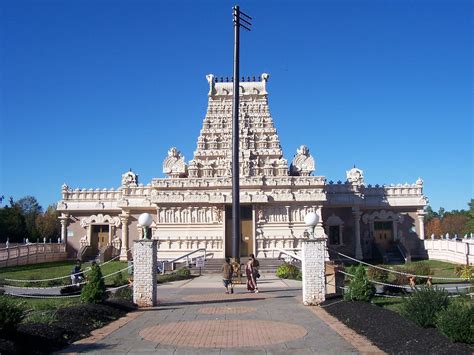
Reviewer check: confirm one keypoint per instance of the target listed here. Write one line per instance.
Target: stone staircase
(213, 266)
(393, 256)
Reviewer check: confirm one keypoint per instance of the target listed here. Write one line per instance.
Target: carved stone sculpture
(355, 176)
(303, 163)
(130, 179)
(174, 165)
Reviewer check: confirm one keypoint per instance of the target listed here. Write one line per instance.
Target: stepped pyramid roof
(259, 144)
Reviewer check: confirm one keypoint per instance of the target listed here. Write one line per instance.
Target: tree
(455, 224)
(430, 214)
(94, 290)
(434, 227)
(360, 288)
(12, 224)
(30, 209)
(441, 212)
(470, 213)
(48, 224)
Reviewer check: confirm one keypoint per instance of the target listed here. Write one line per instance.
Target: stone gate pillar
(313, 269)
(144, 272)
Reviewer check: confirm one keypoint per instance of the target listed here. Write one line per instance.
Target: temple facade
(191, 207)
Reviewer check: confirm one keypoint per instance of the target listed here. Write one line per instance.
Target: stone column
(124, 247)
(395, 229)
(358, 247)
(144, 272)
(64, 222)
(421, 223)
(313, 269)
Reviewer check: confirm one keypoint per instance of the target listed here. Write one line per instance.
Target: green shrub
(457, 322)
(94, 291)
(299, 277)
(11, 314)
(125, 294)
(360, 288)
(119, 280)
(287, 271)
(465, 271)
(420, 268)
(183, 272)
(424, 269)
(423, 305)
(377, 274)
(44, 317)
(403, 279)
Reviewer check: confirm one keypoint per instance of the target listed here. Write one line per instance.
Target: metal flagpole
(240, 20)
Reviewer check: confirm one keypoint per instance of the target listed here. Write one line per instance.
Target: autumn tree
(434, 226)
(48, 224)
(455, 224)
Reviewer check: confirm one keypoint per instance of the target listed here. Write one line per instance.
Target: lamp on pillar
(311, 220)
(145, 220)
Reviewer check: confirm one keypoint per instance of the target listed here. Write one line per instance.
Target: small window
(334, 235)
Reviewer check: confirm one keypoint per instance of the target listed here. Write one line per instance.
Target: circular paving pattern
(226, 310)
(213, 297)
(223, 333)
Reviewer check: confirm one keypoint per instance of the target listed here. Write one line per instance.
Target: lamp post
(145, 220)
(311, 220)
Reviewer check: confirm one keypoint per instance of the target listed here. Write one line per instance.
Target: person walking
(227, 276)
(251, 274)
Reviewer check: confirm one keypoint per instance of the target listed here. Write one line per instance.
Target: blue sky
(90, 89)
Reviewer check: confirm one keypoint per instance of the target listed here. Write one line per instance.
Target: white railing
(455, 251)
(91, 194)
(285, 252)
(30, 253)
(184, 256)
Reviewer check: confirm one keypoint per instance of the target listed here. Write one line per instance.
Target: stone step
(214, 266)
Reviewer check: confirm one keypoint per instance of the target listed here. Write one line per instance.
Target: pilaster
(64, 220)
(124, 245)
(421, 223)
(358, 247)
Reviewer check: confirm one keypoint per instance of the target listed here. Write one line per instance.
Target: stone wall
(459, 252)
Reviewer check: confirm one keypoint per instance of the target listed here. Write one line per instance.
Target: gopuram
(191, 207)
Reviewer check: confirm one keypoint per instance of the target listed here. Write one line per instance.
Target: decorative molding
(382, 215)
(100, 219)
(334, 220)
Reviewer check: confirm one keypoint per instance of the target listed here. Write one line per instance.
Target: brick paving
(197, 317)
(226, 310)
(212, 333)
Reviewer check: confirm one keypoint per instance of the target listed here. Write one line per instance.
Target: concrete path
(197, 317)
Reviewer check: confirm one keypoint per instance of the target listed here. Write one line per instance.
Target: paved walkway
(196, 316)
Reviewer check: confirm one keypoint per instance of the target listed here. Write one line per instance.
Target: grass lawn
(439, 269)
(56, 269)
(391, 303)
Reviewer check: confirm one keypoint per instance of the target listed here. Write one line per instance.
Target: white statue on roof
(174, 165)
(355, 176)
(303, 163)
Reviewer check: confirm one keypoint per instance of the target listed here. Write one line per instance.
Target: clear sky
(90, 89)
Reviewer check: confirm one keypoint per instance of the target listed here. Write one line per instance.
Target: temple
(191, 207)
